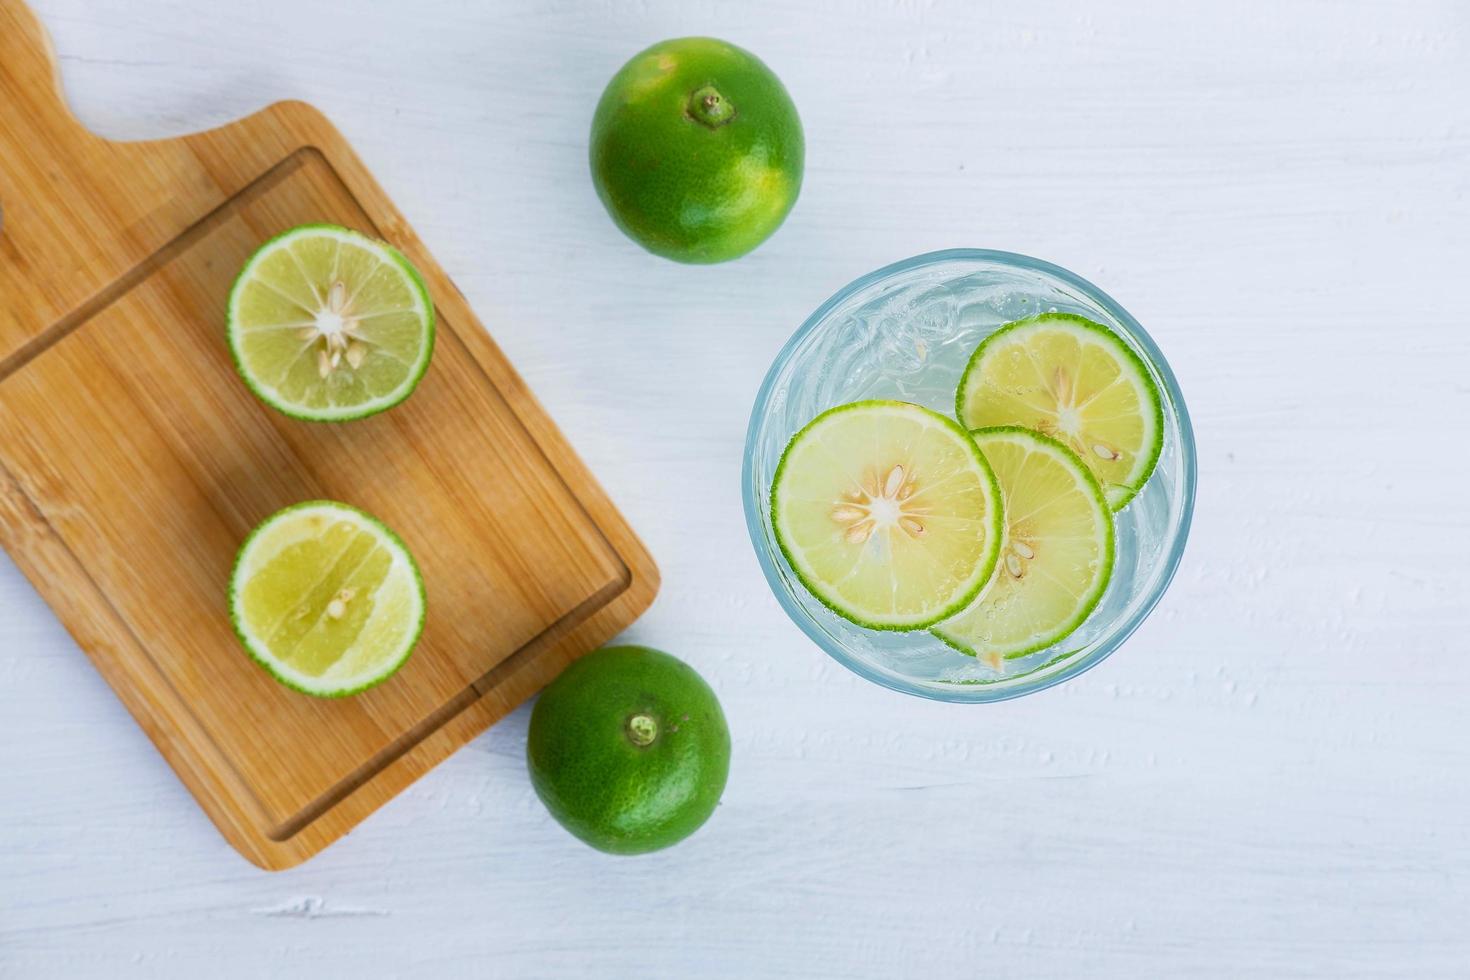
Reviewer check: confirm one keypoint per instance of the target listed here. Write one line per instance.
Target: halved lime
(327, 599)
(887, 513)
(1058, 551)
(1076, 380)
(328, 325)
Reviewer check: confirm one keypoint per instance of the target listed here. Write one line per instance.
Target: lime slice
(327, 325)
(1058, 551)
(1077, 381)
(327, 599)
(887, 513)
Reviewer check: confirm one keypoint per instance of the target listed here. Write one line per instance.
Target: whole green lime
(629, 750)
(697, 150)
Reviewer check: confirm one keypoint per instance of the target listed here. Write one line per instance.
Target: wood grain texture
(1267, 780)
(135, 462)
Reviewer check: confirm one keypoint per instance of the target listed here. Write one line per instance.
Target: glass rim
(972, 692)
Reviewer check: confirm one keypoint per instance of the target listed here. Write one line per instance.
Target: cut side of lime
(327, 599)
(887, 513)
(1058, 551)
(327, 325)
(1077, 381)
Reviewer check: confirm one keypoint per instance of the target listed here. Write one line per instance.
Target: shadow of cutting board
(133, 462)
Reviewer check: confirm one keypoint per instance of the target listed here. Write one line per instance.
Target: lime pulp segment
(887, 513)
(327, 599)
(326, 324)
(1058, 551)
(1077, 381)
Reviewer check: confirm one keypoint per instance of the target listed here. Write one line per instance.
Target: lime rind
(283, 673)
(1118, 495)
(382, 403)
(1088, 482)
(985, 569)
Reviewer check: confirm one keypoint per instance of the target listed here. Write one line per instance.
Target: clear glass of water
(906, 332)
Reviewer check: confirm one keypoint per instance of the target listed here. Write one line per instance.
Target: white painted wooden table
(1270, 778)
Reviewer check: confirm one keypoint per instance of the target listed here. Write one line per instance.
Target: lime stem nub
(642, 730)
(708, 106)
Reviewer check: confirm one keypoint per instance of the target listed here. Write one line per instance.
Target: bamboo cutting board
(133, 462)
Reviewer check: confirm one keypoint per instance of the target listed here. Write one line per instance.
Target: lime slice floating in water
(328, 325)
(1058, 551)
(327, 599)
(888, 514)
(1076, 380)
